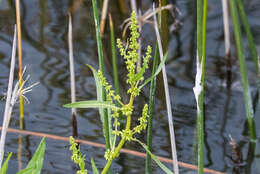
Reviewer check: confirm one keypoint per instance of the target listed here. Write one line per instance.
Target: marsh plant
(135, 79)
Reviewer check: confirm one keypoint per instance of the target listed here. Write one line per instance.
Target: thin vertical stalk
(134, 7)
(114, 60)
(200, 77)
(227, 40)
(19, 34)
(103, 17)
(151, 112)
(101, 67)
(243, 69)
(246, 25)
(7, 114)
(72, 78)
(167, 98)
(226, 27)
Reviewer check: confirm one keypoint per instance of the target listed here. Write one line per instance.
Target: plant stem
(114, 60)
(243, 69)
(109, 162)
(151, 113)
(200, 77)
(246, 25)
(101, 67)
(19, 35)
(167, 98)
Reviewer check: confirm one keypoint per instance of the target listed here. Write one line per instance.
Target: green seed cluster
(77, 156)
(131, 57)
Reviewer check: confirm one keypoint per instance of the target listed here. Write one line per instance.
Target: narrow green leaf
(151, 111)
(35, 164)
(94, 167)
(243, 69)
(99, 90)
(101, 110)
(156, 72)
(158, 162)
(90, 104)
(5, 165)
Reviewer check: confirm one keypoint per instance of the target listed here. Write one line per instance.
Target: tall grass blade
(101, 67)
(114, 60)
(200, 77)
(151, 112)
(7, 113)
(158, 162)
(168, 101)
(5, 165)
(19, 34)
(249, 35)
(99, 98)
(243, 69)
(94, 167)
(36, 163)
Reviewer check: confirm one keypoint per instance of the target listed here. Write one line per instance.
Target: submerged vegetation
(122, 122)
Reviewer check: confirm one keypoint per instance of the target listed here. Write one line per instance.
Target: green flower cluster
(131, 57)
(77, 156)
(134, 77)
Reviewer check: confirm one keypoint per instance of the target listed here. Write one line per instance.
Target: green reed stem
(151, 112)
(243, 69)
(101, 67)
(114, 60)
(201, 53)
(249, 35)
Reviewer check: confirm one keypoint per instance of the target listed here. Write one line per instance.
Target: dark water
(45, 53)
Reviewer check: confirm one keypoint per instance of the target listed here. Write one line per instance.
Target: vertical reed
(243, 69)
(151, 112)
(167, 98)
(72, 78)
(114, 60)
(227, 41)
(249, 35)
(19, 34)
(7, 113)
(200, 77)
(101, 67)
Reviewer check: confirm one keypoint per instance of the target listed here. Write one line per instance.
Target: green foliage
(135, 78)
(77, 157)
(35, 164)
(5, 165)
(94, 168)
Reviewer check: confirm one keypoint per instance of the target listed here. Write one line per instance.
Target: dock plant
(114, 103)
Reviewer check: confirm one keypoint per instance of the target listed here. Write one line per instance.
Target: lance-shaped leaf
(90, 104)
(35, 164)
(5, 165)
(158, 162)
(94, 168)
